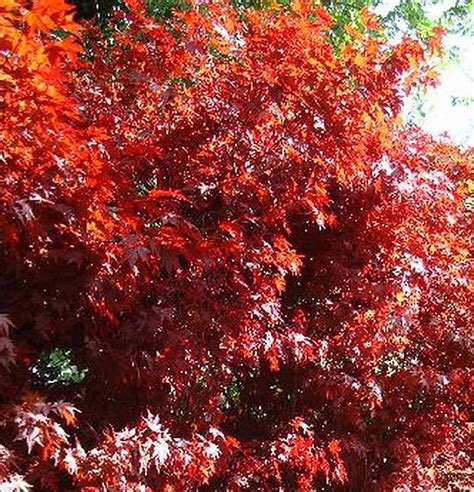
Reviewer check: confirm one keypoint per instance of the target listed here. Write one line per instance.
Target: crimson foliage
(262, 274)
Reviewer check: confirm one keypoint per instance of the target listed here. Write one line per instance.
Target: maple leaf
(334, 447)
(67, 412)
(5, 324)
(15, 483)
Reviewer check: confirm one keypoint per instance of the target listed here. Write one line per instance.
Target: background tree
(413, 14)
(256, 277)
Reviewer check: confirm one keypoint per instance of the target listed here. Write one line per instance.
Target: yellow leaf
(5, 77)
(360, 61)
(92, 227)
(297, 7)
(9, 4)
(280, 283)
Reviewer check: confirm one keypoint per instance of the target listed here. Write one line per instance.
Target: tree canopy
(412, 15)
(226, 263)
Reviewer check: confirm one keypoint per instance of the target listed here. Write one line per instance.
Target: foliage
(55, 367)
(415, 14)
(404, 16)
(265, 272)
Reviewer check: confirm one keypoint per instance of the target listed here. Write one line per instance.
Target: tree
(412, 15)
(242, 271)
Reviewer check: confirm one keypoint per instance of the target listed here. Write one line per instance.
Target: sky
(442, 114)
(456, 82)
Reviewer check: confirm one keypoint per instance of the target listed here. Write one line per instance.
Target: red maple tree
(264, 272)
